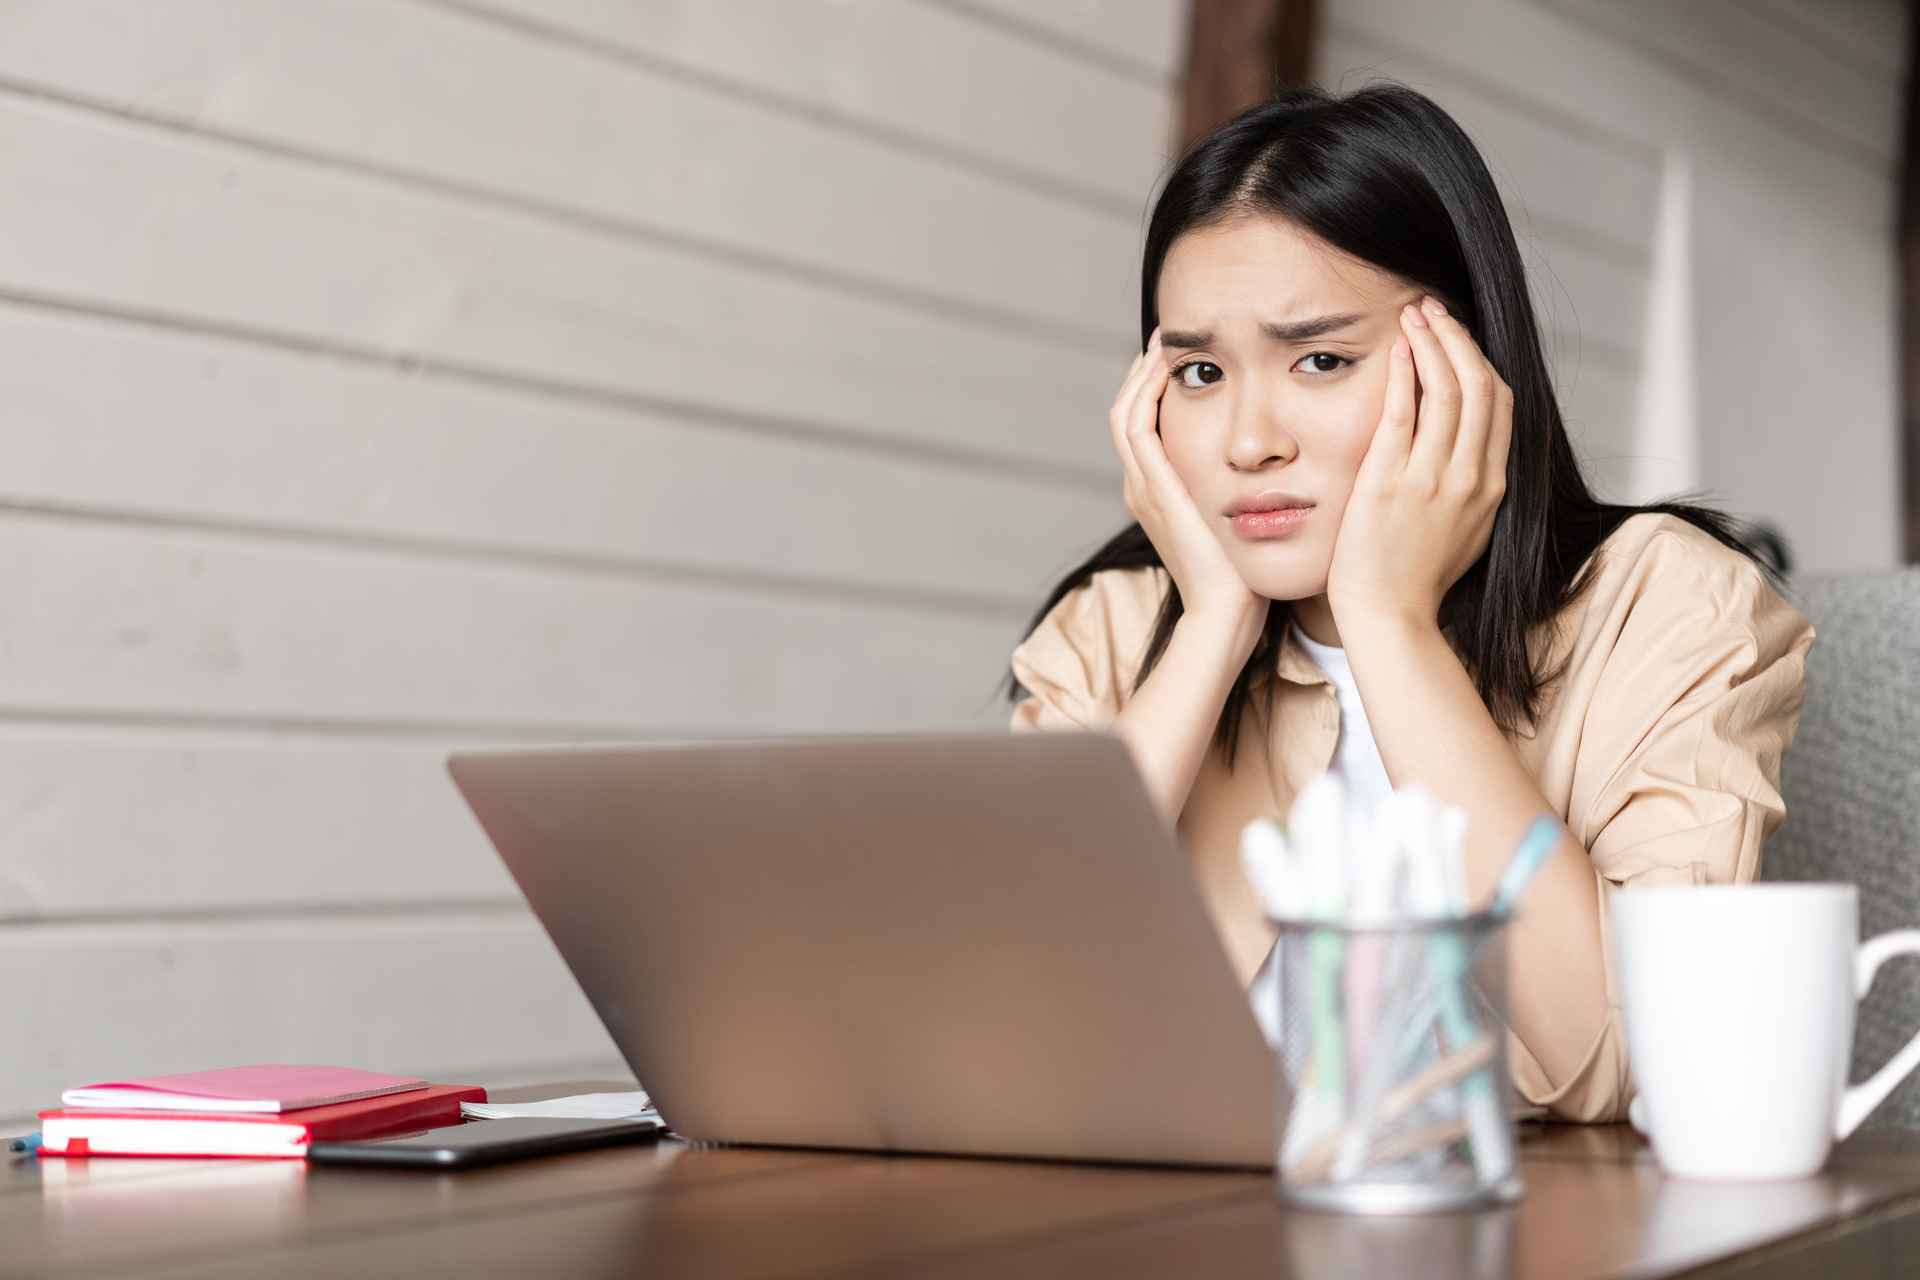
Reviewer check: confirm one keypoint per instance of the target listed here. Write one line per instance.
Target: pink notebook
(263, 1088)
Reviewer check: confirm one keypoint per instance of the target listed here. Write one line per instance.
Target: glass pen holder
(1393, 1054)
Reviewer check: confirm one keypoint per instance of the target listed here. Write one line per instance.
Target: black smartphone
(462, 1146)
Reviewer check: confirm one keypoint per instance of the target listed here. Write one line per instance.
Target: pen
(1492, 1146)
(1542, 838)
(1270, 867)
(31, 1142)
(1378, 973)
(1316, 833)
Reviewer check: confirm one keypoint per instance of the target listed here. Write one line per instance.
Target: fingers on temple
(1145, 416)
(1149, 454)
(1135, 412)
(1485, 400)
(1440, 390)
(1124, 399)
(1117, 423)
(1395, 435)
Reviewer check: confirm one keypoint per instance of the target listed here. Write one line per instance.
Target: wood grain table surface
(1595, 1206)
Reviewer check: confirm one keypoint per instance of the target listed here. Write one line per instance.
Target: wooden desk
(1595, 1206)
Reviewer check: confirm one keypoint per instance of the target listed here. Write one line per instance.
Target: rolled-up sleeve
(1079, 664)
(1692, 680)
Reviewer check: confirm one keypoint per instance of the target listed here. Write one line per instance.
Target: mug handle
(1859, 1101)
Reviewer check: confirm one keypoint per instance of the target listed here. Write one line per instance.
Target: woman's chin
(1287, 592)
(1285, 586)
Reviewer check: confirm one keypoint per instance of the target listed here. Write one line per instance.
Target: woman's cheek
(1360, 421)
(1184, 440)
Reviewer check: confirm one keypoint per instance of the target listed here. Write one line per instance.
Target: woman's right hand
(1169, 722)
(1210, 587)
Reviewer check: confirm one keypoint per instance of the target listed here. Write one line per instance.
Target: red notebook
(240, 1133)
(274, 1087)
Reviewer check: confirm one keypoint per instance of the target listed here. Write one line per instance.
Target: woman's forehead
(1271, 265)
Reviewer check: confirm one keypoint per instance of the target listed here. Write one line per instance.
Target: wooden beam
(1239, 54)
(1909, 245)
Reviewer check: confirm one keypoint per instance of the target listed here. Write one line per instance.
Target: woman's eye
(1199, 373)
(1320, 362)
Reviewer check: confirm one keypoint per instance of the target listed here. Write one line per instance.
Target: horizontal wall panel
(101, 619)
(427, 90)
(1150, 35)
(1766, 58)
(160, 623)
(911, 70)
(226, 432)
(120, 216)
(117, 820)
(1537, 54)
(1866, 33)
(452, 999)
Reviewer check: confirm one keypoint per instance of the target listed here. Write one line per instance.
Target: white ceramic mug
(1739, 1005)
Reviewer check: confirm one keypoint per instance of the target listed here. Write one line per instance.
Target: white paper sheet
(581, 1106)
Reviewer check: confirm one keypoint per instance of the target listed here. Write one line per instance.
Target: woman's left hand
(1424, 500)
(1421, 513)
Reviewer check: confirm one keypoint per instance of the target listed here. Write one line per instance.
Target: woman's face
(1278, 346)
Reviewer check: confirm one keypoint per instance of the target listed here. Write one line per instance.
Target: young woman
(1364, 544)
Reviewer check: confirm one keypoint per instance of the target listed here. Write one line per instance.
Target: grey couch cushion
(1852, 786)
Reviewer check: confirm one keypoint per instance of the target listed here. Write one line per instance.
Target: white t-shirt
(1356, 762)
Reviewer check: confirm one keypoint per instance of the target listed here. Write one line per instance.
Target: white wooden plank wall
(1788, 112)
(389, 376)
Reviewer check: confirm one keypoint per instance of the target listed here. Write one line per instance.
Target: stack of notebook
(270, 1111)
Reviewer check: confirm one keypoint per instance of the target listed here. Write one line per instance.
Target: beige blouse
(1659, 743)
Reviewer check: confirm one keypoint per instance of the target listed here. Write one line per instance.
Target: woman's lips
(1269, 515)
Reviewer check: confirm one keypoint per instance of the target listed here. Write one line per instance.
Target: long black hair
(1386, 176)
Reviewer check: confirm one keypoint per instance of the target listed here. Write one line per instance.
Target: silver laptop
(978, 945)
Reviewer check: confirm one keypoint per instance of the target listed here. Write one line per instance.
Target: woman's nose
(1259, 439)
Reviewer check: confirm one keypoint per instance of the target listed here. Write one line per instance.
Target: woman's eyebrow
(1185, 340)
(1297, 331)
(1301, 330)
